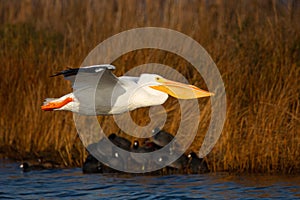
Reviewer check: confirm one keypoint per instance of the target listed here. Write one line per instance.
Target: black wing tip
(73, 71)
(66, 73)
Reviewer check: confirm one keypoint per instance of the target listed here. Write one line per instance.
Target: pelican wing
(95, 87)
(87, 75)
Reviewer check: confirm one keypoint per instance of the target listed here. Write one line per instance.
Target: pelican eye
(157, 78)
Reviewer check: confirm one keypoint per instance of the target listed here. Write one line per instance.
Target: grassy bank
(256, 46)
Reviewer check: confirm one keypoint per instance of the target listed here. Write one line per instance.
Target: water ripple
(72, 184)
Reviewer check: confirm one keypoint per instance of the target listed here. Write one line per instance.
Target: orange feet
(58, 104)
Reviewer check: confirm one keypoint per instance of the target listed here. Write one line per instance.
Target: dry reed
(255, 44)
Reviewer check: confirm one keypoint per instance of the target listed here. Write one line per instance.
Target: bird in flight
(97, 91)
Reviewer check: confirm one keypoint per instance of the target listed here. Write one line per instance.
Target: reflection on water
(72, 184)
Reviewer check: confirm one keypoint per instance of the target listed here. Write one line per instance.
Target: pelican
(97, 91)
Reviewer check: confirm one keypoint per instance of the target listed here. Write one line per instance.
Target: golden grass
(256, 46)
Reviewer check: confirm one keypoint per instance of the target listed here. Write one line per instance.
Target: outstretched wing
(86, 76)
(96, 87)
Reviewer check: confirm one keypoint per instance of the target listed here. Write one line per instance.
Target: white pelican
(97, 91)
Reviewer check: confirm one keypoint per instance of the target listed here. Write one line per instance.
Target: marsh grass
(256, 46)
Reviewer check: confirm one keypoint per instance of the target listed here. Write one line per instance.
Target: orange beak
(180, 90)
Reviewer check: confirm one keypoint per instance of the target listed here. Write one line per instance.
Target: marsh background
(255, 44)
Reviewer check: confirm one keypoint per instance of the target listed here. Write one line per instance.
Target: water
(72, 184)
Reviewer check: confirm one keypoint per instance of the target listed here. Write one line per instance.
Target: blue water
(72, 184)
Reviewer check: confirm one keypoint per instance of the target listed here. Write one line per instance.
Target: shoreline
(16, 159)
